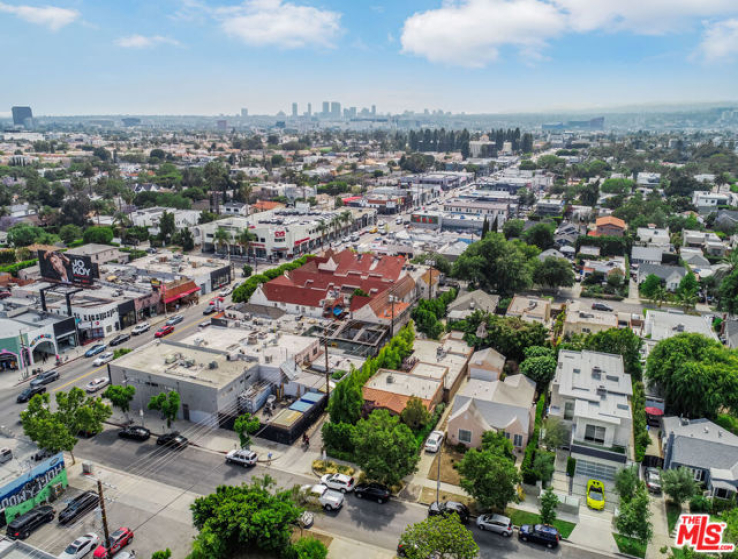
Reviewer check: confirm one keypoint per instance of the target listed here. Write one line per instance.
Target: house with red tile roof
(609, 226)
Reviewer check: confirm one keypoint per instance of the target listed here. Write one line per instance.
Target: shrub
(700, 503)
(526, 467)
(13, 269)
(571, 466)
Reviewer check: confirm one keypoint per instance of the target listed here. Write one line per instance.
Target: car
(119, 339)
(434, 440)
(22, 526)
(118, 540)
(45, 378)
(447, 508)
(242, 457)
(97, 384)
(4, 294)
(595, 494)
(339, 482)
(94, 350)
(204, 324)
(106, 357)
(135, 433)
(176, 319)
(374, 491)
(542, 534)
(495, 523)
(172, 440)
(210, 309)
(163, 331)
(141, 328)
(225, 292)
(79, 506)
(322, 495)
(81, 546)
(653, 480)
(29, 393)
(601, 307)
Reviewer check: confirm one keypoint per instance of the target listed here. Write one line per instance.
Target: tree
(121, 396)
(307, 548)
(634, 516)
(245, 426)
(540, 235)
(513, 228)
(650, 286)
(167, 227)
(162, 554)
(489, 477)
(247, 270)
(166, 403)
(438, 534)
(557, 434)
(543, 465)
(99, 235)
(69, 233)
(497, 443)
(549, 503)
(539, 364)
(346, 401)
(627, 483)
(688, 285)
(384, 448)
(415, 415)
(679, 484)
(554, 272)
(485, 228)
(184, 238)
(222, 237)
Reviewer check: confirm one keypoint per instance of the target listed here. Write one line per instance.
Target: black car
(540, 533)
(80, 505)
(119, 339)
(45, 378)
(135, 433)
(29, 393)
(601, 307)
(374, 491)
(173, 440)
(210, 309)
(23, 525)
(449, 507)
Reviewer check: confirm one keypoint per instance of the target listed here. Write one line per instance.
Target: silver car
(495, 523)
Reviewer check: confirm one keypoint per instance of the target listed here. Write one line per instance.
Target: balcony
(612, 453)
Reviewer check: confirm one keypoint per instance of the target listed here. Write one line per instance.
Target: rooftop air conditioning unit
(213, 365)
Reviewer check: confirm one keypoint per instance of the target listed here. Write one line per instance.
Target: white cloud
(471, 32)
(280, 24)
(720, 41)
(49, 16)
(143, 42)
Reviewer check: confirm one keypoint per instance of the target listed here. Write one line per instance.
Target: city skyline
(473, 56)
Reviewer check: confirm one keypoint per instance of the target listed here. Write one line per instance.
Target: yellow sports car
(595, 494)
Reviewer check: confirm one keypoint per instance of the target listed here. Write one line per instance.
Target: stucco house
(486, 364)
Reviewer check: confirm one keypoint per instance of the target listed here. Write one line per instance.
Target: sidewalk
(661, 536)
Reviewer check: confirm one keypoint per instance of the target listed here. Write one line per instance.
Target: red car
(118, 540)
(4, 294)
(163, 331)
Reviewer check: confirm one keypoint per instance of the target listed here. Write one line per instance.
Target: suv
(45, 378)
(245, 458)
(26, 523)
(540, 533)
(134, 433)
(29, 393)
(78, 506)
(327, 498)
(339, 482)
(653, 480)
(495, 523)
(172, 440)
(450, 507)
(601, 307)
(141, 328)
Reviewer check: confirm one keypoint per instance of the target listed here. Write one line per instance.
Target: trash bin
(87, 468)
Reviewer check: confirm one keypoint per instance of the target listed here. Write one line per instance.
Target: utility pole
(327, 368)
(104, 517)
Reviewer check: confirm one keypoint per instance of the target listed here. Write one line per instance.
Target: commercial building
(99, 254)
(150, 218)
(22, 116)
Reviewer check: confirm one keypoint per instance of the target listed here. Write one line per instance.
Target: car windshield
(72, 548)
(595, 493)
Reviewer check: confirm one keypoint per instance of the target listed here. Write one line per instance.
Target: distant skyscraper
(294, 109)
(244, 113)
(222, 125)
(310, 109)
(131, 121)
(326, 108)
(335, 109)
(21, 115)
(374, 110)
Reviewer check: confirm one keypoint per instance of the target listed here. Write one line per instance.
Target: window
(594, 434)
(699, 475)
(465, 436)
(518, 440)
(568, 410)
(506, 434)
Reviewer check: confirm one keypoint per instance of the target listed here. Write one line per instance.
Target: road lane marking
(93, 371)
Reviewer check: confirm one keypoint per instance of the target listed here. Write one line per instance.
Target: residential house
(694, 258)
(530, 309)
(660, 325)
(651, 180)
(501, 406)
(486, 364)
(235, 208)
(391, 390)
(553, 253)
(613, 265)
(468, 302)
(609, 226)
(590, 251)
(550, 206)
(729, 333)
(707, 240)
(654, 236)
(708, 202)
(591, 394)
(670, 276)
(581, 320)
(646, 255)
(726, 219)
(99, 254)
(428, 283)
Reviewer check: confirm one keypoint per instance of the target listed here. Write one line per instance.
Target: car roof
(546, 529)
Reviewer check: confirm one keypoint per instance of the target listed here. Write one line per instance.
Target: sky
(208, 57)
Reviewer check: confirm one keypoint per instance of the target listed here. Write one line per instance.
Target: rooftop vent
(213, 365)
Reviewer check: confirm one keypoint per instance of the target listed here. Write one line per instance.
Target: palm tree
(335, 224)
(223, 237)
(128, 196)
(245, 190)
(659, 295)
(244, 239)
(687, 299)
(322, 228)
(98, 206)
(346, 216)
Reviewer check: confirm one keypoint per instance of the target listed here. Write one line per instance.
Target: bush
(571, 466)
(337, 440)
(700, 503)
(120, 352)
(13, 269)
(526, 467)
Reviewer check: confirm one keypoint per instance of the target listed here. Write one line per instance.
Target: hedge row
(15, 268)
(244, 291)
(526, 468)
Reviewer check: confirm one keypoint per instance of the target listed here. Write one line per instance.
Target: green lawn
(672, 515)
(520, 517)
(630, 546)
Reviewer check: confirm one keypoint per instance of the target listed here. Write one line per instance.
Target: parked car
(106, 357)
(433, 442)
(447, 508)
(77, 507)
(601, 307)
(4, 294)
(22, 526)
(118, 540)
(495, 523)
(210, 309)
(204, 324)
(653, 480)
(119, 339)
(97, 384)
(6, 455)
(172, 440)
(339, 482)
(325, 497)
(29, 393)
(163, 331)
(45, 378)
(540, 533)
(242, 457)
(225, 292)
(374, 491)
(595, 494)
(81, 546)
(174, 320)
(135, 433)
(94, 350)
(141, 328)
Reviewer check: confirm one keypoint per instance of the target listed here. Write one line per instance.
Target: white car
(141, 328)
(106, 357)
(327, 498)
(97, 384)
(245, 458)
(81, 546)
(225, 292)
(339, 482)
(433, 443)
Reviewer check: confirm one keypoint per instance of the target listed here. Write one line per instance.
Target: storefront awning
(180, 295)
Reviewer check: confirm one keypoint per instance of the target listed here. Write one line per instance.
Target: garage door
(596, 470)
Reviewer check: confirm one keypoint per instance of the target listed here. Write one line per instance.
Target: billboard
(32, 487)
(66, 268)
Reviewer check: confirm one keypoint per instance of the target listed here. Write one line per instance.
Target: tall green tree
(627, 483)
(489, 477)
(513, 228)
(166, 403)
(346, 401)
(120, 396)
(245, 426)
(539, 364)
(650, 286)
(634, 517)
(549, 503)
(679, 484)
(554, 272)
(415, 415)
(438, 534)
(540, 235)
